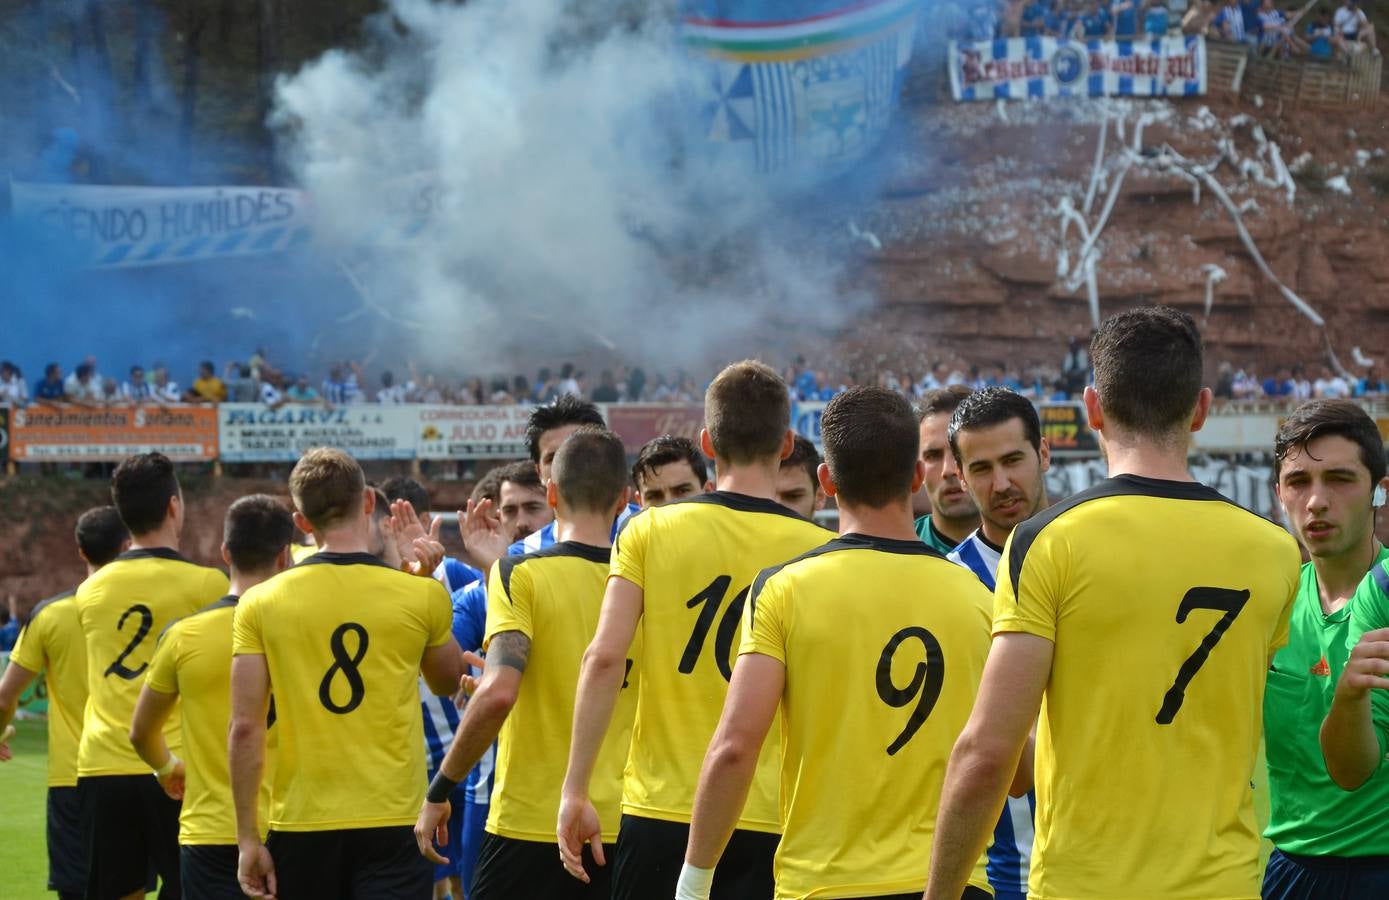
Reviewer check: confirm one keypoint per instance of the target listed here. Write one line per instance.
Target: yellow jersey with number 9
(866, 739)
(694, 561)
(1164, 602)
(123, 609)
(343, 635)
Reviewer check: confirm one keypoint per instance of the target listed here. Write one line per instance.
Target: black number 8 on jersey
(924, 687)
(347, 665)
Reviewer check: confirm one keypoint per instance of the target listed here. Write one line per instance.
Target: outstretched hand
(484, 540)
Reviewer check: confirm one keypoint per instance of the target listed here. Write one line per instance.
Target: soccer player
(343, 638)
(191, 670)
(1330, 464)
(127, 821)
(680, 576)
(996, 438)
(797, 484)
(909, 633)
(542, 610)
(522, 508)
(51, 642)
(953, 514)
(669, 468)
(1144, 611)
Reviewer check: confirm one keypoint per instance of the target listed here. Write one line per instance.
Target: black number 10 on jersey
(345, 669)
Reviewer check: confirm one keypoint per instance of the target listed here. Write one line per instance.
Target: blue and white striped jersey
(469, 623)
(1011, 851)
(545, 537)
(455, 575)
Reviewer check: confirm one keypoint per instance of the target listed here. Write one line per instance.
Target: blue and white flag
(1018, 68)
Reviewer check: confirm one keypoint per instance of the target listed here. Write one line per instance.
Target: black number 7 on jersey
(1218, 599)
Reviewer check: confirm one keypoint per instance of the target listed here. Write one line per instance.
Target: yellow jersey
(193, 660)
(343, 635)
(301, 552)
(1164, 602)
(123, 609)
(694, 561)
(865, 741)
(51, 642)
(553, 597)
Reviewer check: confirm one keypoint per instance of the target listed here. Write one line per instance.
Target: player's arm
(1349, 742)
(600, 679)
(12, 686)
(152, 710)
(729, 767)
(442, 667)
(487, 709)
(250, 704)
(986, 758)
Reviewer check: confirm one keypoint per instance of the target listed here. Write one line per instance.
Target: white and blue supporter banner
(143, 226)
(1018, 68)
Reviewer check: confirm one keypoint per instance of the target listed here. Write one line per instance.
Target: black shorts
(67, 863)
(650, 853)
(508, 869)
(128, 824)
(1291, 876)
(351, 864)
(209, 872)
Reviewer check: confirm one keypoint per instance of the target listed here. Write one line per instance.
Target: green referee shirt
(1310, 814)
(932, 538)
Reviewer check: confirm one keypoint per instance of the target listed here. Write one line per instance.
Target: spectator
(1075, 367)
(207, 387)
(546, 387)
(1034, 18)
(1280, 386)
(1155, 18)
(1247, 385)
(606, 392)
(472, 393)
(1273, 30)
(429, 390)
(271, 388)
(1125, 14)
(1320, 36)
(1225, 382)
(1095, 22)
(1330, 385)
(1371, 385)
(50, 387)
(340, 388)
(568, 383)
(636, 386)
(1229, 22)
(1353, 29)
(164, 390)
(13, 390)
(983, 22)
(1302, 387)
(241, 387)
(302, 392)
(82, 386)
(391, 392)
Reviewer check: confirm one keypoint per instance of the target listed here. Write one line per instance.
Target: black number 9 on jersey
(924, 687)
(347, 665)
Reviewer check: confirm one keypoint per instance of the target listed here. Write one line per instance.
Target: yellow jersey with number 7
(1164, 602)
(123, 609)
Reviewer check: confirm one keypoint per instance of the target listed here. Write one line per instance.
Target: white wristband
(694, 884)
(167, 767)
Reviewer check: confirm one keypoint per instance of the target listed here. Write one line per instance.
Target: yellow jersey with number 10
(865, 739)
(123, 609)
(1164, 602)
(343, 635)
(694, 561)
(51, 642)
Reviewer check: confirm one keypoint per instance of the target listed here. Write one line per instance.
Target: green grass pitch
(23, 787)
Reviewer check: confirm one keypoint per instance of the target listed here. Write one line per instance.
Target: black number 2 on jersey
(118, 666)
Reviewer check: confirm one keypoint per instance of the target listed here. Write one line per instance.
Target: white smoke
(572, 202)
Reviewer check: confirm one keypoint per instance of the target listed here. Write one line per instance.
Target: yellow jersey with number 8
(343, 635)
(1164, 602)
(694, 561)
(123, 609)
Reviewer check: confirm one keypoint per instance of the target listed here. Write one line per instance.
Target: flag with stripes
(1019, 68)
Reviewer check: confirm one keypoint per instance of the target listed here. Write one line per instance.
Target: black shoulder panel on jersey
(1119, 486)
(828, 547)
(741, 503)
(323, 558)
(45, 603)
(508, 564)
(225, 602)
(153, 553)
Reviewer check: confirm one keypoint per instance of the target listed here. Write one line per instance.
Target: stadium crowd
(258, 380)
(585, 704)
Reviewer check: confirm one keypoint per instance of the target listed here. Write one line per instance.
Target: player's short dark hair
(940, 401)
(871, 446)
(100, 534)
(141, 487)
(327, 486)
(590, 470)
(521, 474)
(1322, 418)
(403, 487)
(747, 410)
(566, 410)
(256, 531)
(666, 449)
(993, 406)
(489, 486)
(1148, 369)
(804, 456)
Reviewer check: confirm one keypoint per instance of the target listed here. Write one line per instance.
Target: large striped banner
(812, 83)
(1018, 68)
(114, 225)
